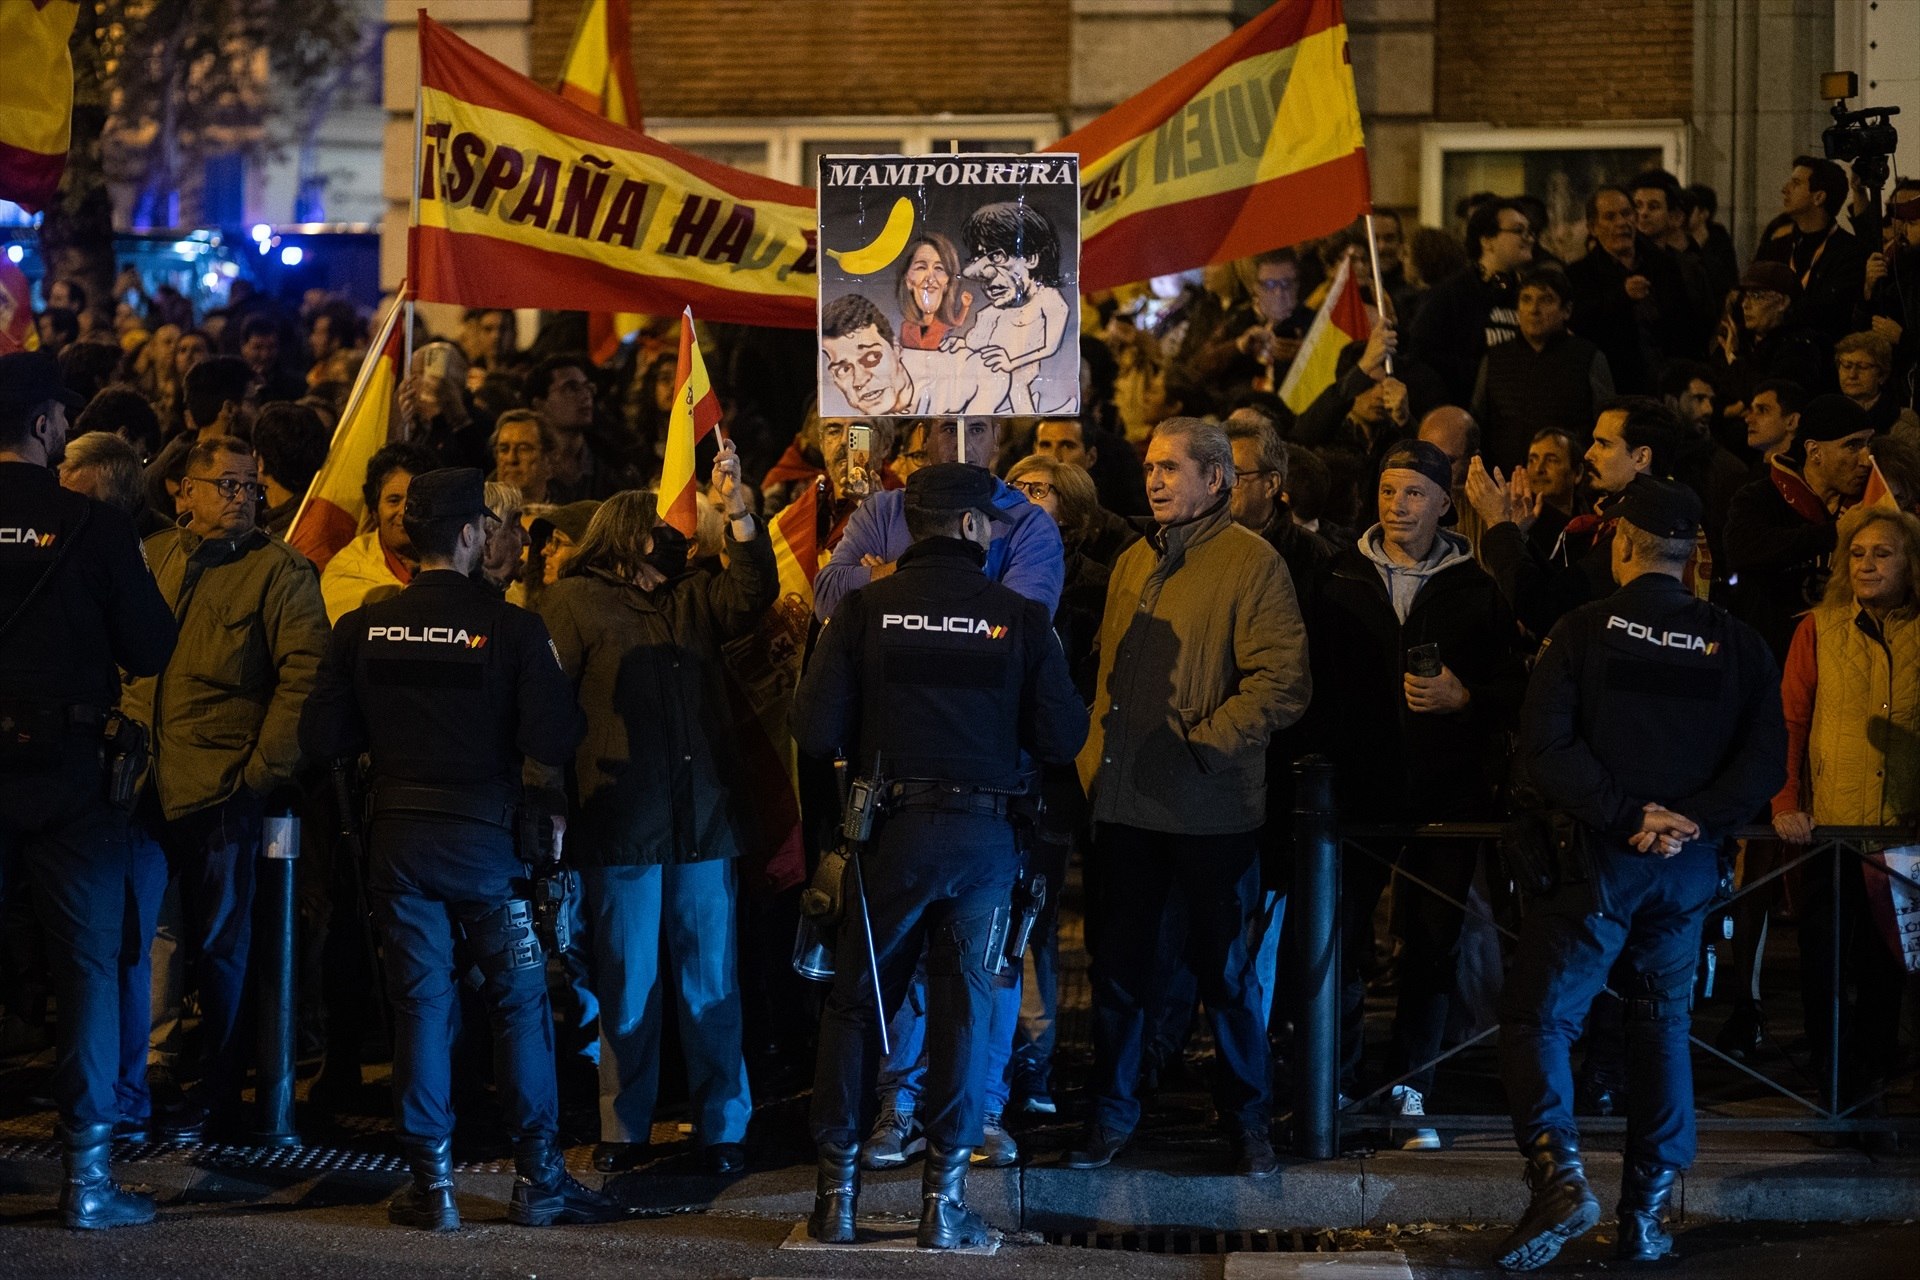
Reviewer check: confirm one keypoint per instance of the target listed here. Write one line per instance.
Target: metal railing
(1321, 844)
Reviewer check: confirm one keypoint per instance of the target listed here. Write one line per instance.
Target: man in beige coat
(1203, 656)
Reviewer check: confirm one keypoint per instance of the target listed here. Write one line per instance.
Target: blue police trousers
(934, 881)
(427, 875)
(1645, 911)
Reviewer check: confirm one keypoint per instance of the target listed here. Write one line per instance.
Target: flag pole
(1380, 300)
(413, 209)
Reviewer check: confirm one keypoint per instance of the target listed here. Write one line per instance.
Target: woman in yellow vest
(1851, 691)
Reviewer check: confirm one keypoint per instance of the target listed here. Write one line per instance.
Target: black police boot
(88, 1199)
(1645, 1192)
(1562, 1207)
(546, 1195)
(426, 1203)
(945, 1220)
(836, 1193)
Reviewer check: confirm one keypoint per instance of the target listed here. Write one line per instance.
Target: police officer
(76, 602)
(453, 692)
(951, 680)
(1652, 725)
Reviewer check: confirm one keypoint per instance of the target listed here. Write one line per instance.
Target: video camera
(1865, 138)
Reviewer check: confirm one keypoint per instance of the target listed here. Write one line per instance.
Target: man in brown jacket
(1203, 656)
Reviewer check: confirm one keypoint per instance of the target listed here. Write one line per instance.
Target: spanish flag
(1342, 318)
(1878, 492)
(36, 98)
(1254, 145)
(598, 75)
(331, 514)
(696, 412)
(529, 200)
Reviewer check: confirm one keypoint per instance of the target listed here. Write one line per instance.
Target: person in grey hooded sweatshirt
(1415, 645)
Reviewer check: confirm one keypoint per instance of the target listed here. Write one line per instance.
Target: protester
(1549, 378)
(216, 398)
(291, 443)
(1767, 343)
(1473, 310)
(1864, 365)
(106, 469)
(380, 562)
(1628, 296)
(523, 446)
(1828, 262)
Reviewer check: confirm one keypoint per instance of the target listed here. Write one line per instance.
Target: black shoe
(1253, 1154)
(1741, 1034)
(426, 1203)
(836, 1194)
(125, 1130)
(726, 1158)
(619, 1157)
(1032, 1091)
(89, 1201)
(1645, 1192)
(945, 1220)
(184, 1123)
(1562, 1207)
(546, 1195)
(1096, 1150)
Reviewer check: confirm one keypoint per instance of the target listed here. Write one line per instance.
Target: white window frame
(1437, 141)
(786, 138)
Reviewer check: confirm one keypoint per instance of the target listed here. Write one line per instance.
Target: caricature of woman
(931, 305)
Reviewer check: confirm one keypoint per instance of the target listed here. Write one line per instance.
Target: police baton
(873, 964)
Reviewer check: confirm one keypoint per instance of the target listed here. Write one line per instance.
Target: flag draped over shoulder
(1254, 145)
(16, 310)
(36, 98)
(527, 200)
(598, 76)
(330, 515)
(1342, 318)
(696, 412)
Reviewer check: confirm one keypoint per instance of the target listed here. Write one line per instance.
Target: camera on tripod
(1865, 138)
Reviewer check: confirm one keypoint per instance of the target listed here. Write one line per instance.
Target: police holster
(1545, 850)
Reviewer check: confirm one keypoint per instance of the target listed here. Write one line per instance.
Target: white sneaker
(1407, 1101)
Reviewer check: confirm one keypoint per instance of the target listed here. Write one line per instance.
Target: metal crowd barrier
(1321, 843)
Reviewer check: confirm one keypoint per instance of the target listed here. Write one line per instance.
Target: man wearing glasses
(223, 714)
(1475, 308)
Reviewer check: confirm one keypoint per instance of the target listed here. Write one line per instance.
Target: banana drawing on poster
(948, 286)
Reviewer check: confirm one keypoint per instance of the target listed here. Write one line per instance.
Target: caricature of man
(878, 379)
(1014, 252)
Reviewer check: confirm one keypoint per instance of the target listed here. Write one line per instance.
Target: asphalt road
(347, 1235)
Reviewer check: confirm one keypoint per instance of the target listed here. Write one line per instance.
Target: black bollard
(273, 958)
(1316, 904)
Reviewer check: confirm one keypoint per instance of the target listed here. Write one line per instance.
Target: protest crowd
(1408, 539)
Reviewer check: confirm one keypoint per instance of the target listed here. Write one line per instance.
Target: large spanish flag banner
(331, 513)
(527, 200)
(36, 98)
(1253, 145)
(598, 75)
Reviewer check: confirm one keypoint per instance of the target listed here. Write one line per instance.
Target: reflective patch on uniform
(955, 625)
(14, 536)
(458, 636)
(554, 649)
(1663, 639)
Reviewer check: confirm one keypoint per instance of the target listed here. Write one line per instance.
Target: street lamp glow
(211, 280)
(15, 253)
(261, 231)
(291, 255)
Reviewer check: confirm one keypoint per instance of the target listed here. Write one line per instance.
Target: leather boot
(88, 1199)
(945, 1220)
(1645, 1192)
(545, 1194)
(836, 1193)
(1562, 1208)
(426, 1203)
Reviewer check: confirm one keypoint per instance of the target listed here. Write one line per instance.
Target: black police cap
(29, 378)
(1830, 417)
(446, 493)
(951, 486)
(1663, 508)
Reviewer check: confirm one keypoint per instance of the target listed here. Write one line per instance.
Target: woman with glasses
(1864, 363)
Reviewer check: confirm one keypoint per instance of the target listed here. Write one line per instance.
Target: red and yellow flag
(528, 200)
(1254, 145)
(598, 75)
(16, 310)
(1342, 318)
(696, 412)
(331, 513)
(36, 98)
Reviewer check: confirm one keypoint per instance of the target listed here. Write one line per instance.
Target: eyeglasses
(1857, 366)
(1525, 233)
(1036, 490)
(230, 487)
(1241, 477)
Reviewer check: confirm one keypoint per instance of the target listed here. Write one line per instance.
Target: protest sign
(949, 285)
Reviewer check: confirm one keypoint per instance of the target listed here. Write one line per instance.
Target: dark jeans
(1208, 886)
(934, 882)
(1651, 922)
(427, 875)
(146, 886)
(212, 852)
(76, 860)
(1428, 927)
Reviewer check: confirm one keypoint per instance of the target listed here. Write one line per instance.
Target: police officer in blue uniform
(956, 683)
(76, 602)
(1652, 726)
(456, 695)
